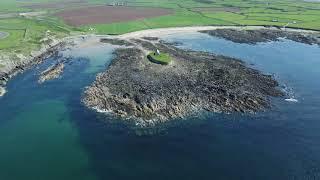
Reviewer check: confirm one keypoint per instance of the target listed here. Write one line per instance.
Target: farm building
(118, 4)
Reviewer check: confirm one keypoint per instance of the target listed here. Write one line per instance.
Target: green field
(26, 33)
(162, 58)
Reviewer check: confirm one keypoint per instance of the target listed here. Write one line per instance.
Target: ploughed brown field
(109, 14)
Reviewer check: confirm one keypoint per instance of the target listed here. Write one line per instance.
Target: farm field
(108, 14)
(27, 22)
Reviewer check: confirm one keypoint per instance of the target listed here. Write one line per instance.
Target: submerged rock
(51, 73)
(261, 35)
(150, 38)
(115, 41)
(151, 93)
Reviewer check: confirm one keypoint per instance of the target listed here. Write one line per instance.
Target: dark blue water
(46, 133)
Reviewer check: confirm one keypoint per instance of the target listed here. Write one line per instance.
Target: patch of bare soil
(109, 14)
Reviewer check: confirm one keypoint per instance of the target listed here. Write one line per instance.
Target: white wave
(101, 110)
(2, 91)
(291, 100)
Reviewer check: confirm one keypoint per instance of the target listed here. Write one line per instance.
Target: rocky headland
(263, 35)
(14, 68)
(135, 88)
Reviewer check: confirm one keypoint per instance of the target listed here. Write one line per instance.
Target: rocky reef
(135, 88)
(52, 72)
(262, 35)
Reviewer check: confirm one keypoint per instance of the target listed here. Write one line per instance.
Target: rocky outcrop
(2, 91)
(262, 35)
(17, 67)
(151, 93)
(51, 73)
(115, 41)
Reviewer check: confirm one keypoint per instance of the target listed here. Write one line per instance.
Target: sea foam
(291, 100)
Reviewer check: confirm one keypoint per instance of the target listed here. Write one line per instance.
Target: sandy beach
(91, 39)
(167, 31)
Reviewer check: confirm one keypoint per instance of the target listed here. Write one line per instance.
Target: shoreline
(36, 57)
(89, 39)
(173, 30)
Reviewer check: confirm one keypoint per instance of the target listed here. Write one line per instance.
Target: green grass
(11, 40)
(25, 34)
(117, 28)
(163, 58)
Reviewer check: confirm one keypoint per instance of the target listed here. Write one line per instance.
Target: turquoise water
(46, 133)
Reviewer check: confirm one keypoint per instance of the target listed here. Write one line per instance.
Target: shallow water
(45, 132)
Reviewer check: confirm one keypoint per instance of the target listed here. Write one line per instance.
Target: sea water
(46, 133)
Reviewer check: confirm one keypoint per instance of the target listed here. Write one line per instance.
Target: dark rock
(115, 41)
(151, 38)
(261, 35)
(134, 87)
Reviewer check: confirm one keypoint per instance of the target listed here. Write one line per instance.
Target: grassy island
(162, 58)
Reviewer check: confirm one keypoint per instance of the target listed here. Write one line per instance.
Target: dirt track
(217, 9)
(109, 14)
